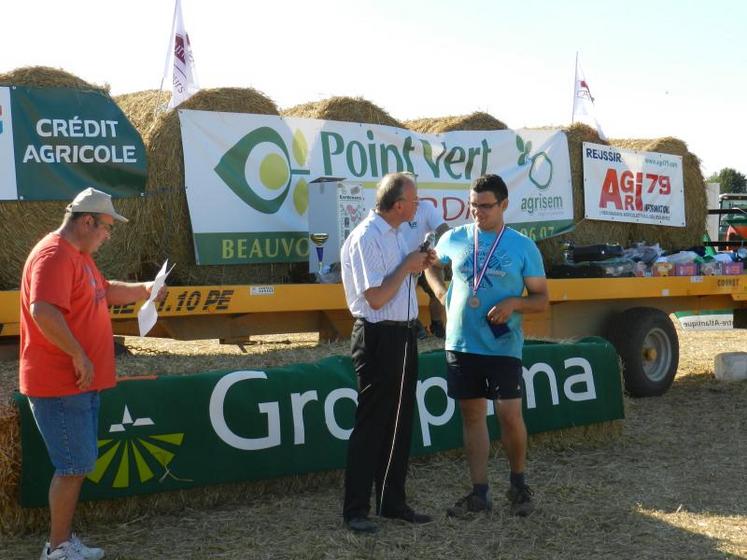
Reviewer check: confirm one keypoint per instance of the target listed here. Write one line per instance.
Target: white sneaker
(88, 553)
(66, 551)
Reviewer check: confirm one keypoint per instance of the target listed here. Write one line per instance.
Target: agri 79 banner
(630, 186)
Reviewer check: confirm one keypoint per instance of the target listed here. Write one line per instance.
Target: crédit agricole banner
(55, 142)
(248, 177)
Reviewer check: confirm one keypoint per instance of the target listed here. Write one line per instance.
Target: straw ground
(671, 485)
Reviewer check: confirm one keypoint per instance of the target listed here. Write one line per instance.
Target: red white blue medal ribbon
(474, 301)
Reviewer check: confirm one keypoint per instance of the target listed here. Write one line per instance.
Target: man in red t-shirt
(67, 353)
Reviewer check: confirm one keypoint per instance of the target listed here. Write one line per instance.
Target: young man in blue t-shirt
(491, 265)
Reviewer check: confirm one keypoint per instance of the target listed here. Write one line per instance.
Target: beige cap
(96, 202)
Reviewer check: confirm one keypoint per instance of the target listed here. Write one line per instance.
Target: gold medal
(474, 302)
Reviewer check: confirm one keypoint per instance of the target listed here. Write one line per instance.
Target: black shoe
(520, 499)
(437, 329)
(464, 508)
(361, 525)
(409, 515)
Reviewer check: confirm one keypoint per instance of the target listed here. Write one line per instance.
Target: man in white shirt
(377, 273)
(428, 219)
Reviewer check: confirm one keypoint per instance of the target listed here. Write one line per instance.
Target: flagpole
(575, 84)
(169, 54)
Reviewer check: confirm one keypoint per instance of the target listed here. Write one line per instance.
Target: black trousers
(378, 352)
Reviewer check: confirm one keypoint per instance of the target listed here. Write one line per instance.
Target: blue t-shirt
(516, 257)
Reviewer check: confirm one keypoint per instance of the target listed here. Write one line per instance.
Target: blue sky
(656, 68)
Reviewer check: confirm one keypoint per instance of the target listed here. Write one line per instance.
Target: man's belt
(386, 323)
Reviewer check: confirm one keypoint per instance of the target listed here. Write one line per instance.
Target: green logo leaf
(519, 143)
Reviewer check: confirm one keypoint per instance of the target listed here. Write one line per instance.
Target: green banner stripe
(545, 229)
(250, 425)
(252, 247)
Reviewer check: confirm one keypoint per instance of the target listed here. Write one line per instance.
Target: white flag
(583, 102)
(184, 76)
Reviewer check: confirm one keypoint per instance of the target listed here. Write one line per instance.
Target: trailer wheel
(647, 342)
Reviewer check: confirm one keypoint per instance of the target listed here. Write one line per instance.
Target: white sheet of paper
(148, 315)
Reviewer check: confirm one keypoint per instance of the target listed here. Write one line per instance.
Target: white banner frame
(631, 186)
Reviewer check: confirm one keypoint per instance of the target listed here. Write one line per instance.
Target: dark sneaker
(361, 525)
(469, 505)
(520, 499)
(411, 516)
(437, 329)
(422, 334)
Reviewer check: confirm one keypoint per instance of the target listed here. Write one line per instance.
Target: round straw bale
(45, 76)
(142, 107)
(586, 232)
(13, 519)
(473, 121)
(674, 238)
(347, 109)
(23, 223)
(169, 215)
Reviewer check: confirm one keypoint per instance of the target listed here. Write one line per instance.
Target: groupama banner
(180, 432)
(630, 186)
(248, 177)
(55, 142)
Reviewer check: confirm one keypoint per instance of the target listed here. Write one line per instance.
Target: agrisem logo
(124, 461)
(260, 161)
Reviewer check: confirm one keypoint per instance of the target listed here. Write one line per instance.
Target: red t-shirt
(56, 272)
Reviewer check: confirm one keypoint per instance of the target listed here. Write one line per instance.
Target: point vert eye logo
(259, 171)
(136, 458)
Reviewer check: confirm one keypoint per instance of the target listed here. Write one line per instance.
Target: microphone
(424, 247)
(427, 242)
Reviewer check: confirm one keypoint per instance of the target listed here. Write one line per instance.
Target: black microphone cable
(424, 247)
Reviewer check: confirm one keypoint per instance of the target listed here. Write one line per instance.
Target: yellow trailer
(633, 313)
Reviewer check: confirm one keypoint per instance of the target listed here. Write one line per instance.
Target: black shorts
(474, 376)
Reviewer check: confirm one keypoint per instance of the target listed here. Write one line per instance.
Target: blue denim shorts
(69, 426)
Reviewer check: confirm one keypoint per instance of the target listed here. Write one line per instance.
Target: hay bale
(473, 121)
(346, 109)
(587, 232)
(13, 518)
(141, 107)
(168, 212)
(45, 76)
(23, 223)
(696, 210)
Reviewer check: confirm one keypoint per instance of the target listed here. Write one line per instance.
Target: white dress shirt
(372, 251)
